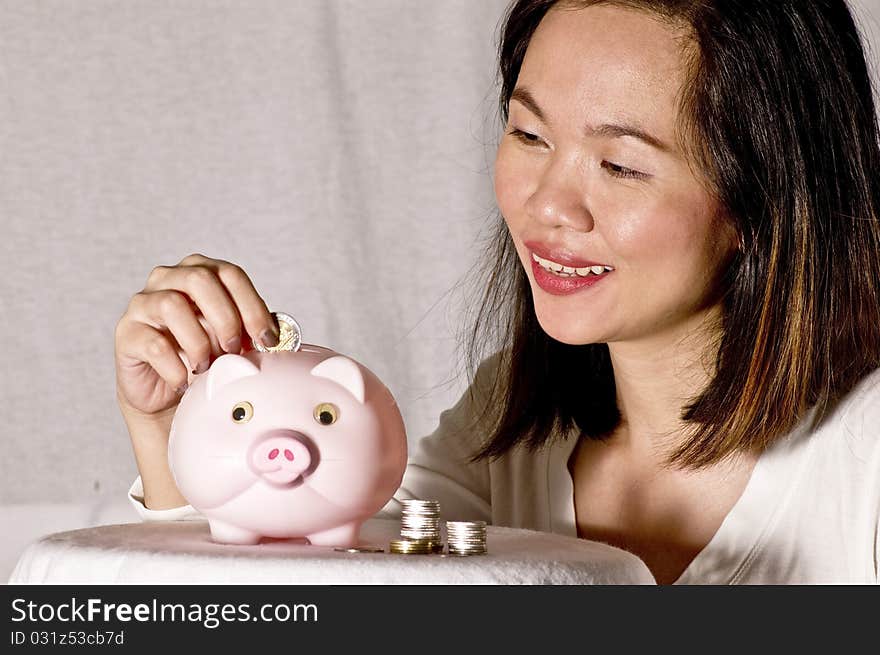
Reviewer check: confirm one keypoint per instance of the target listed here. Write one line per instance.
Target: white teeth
(568, 270)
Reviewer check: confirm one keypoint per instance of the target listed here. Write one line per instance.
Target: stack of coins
(466, 537)
(420, 524)
(420, 519)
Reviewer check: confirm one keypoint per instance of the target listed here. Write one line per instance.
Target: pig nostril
(273, 454)
(288, 455)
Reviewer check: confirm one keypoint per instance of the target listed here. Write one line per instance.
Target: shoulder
(463, 419)
(487, 374)
(845, 441)
(490, 365)
(860, 417)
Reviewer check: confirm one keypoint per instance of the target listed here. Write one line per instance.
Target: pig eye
(242, 412)
(326, 413)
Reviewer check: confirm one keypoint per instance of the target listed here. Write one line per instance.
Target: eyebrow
(610, 130)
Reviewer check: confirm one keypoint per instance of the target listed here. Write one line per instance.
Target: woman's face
(569, 185)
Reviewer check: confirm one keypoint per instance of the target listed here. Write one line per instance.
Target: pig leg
(344, 536)
(229, 534)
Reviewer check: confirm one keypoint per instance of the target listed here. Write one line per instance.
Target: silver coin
(466, 525)
(289, 335)
(421, 528)
(421, 505)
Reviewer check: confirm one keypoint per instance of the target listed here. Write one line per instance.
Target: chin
(568, 332)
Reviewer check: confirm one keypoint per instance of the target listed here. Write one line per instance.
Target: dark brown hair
(778, 117)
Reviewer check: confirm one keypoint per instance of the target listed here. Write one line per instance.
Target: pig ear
(344, 372)
(226, 369)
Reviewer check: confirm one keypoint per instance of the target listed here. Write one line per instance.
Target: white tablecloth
(181, 552)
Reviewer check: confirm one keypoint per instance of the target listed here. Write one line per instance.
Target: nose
(561, 197)
(287, 454)
(281, 458)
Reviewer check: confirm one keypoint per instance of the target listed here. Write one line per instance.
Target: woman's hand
(200, 309)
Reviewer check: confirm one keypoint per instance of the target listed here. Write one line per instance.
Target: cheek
(512, 185)
(651, 235)
(635, 232)
(668, 243)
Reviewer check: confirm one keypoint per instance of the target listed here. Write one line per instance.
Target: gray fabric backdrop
(339, 151)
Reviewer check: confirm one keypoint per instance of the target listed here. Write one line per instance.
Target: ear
(226, 369)
(344, 372)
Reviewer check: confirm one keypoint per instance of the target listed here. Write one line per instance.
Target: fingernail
(182, 388)
(233, 345)
(268, 338)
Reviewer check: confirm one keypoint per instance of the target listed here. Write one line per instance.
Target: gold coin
(361, 549)
(407, 547)
(289, 335)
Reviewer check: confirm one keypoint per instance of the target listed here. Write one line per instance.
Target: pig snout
(281, 458)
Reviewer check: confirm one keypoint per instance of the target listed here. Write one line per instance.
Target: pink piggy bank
(287, 444)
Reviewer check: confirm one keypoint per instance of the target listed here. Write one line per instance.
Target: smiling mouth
(569, 271)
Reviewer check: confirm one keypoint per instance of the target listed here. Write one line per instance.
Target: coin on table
(289, 335)
(361, 549)
(411, 547)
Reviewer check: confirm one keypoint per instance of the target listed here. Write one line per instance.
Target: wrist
(149, 440)
(136, 418)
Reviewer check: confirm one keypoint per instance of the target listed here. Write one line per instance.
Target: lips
(560, 255)
(561, 286)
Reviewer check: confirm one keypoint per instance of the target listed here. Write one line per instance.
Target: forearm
(149, 440)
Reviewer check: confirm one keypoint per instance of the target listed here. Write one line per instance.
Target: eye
(525, 137)
(326, 413)
(620, 171)
(242, 412)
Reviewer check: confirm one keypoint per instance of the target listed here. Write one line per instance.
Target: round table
(181, 552)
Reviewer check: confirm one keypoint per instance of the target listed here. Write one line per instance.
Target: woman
(698, 385)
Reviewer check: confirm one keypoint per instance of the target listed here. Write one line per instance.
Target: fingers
(252, 309)
(169, 309)
(224, 294)
(205, 290)
(257, 319)
(147, 344)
